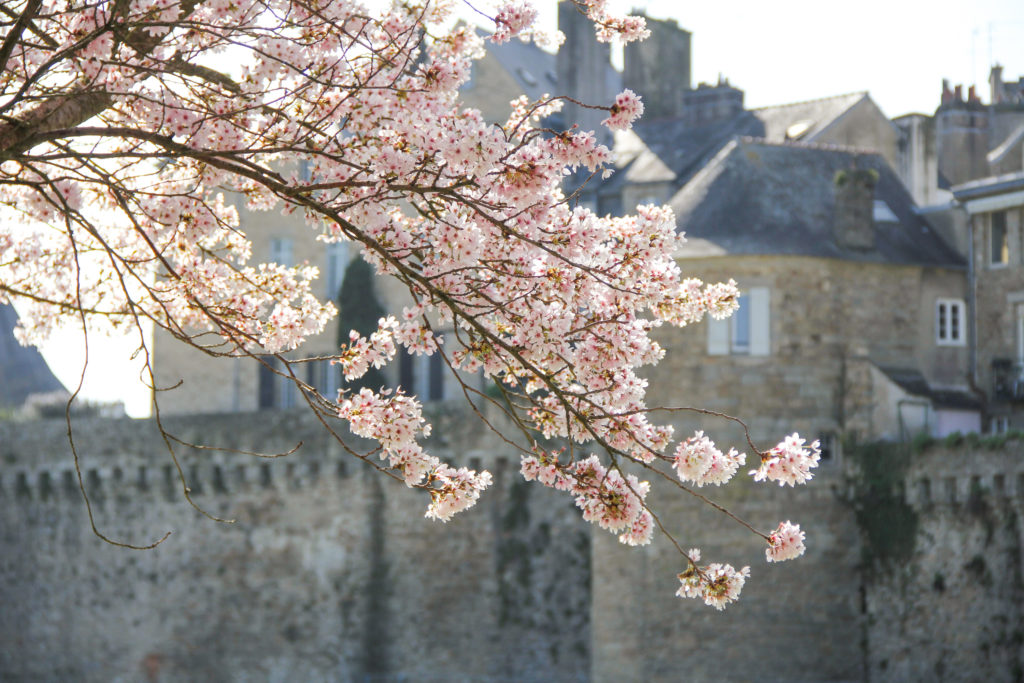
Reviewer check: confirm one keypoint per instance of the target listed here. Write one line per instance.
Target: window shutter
(760, 321)
(718, 337)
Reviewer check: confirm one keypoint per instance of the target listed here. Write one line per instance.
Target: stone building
(853, 315)
(995, 210)
(965, 139)
(210, 385)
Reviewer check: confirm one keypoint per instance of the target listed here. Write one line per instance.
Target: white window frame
(722, 334)
(946, 311)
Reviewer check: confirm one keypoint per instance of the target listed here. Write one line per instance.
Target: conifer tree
(359, 310)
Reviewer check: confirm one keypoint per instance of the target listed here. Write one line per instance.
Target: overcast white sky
(778, 52)
(898, 50)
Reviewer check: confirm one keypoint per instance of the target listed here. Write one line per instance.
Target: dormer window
(527, 77)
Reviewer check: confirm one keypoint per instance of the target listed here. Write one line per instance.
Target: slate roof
(759, 197)
(22, 369)
(532, 68)
(812, 116)
(913, 382)
(664, 150)
(535, 70)
(992, 185)
(670, 149)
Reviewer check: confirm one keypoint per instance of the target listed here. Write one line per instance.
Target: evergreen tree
(359, 310)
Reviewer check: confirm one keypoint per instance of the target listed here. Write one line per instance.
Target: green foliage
(864, 176)
(971, 440)
(359, 310)
(921, 442)
(888, 524)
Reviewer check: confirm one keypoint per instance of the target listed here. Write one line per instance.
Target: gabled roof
(759, 197)
(22, 369)
(661, 150)
(532, 68)
(535, 70)
(804, 120)
(671, 150)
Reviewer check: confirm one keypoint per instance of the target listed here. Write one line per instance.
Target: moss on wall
(888, 524)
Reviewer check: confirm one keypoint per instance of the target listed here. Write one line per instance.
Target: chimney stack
(947, 94)
(583, 66)
(658, 69)
(854, 222)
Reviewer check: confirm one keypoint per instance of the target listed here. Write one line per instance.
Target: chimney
(583, 66)
(958, 93)
(658, 69)
(854, 221)
(995, 84)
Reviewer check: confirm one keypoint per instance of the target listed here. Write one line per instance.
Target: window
(998, 240)
(281, 251)
(422, 376)
(747, 331)
(828, 443)
(999, 425)
(949, 322)
(275, 389)
(325, 377)
(337, 262)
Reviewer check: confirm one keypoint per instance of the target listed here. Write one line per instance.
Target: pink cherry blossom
(790, 462)
(627, 108)
(785, 543)
(136, 132)
(716, 584)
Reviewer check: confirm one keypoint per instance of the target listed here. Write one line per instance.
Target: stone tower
(583, 66)
(658, 69)
(962, 135)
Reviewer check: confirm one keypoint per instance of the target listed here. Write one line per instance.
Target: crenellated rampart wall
(330, 572)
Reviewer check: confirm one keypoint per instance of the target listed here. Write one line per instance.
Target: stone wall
(826, 315)
(795, 621)
(999, 290)
(944, 577)
(914, 567)
(330, 572)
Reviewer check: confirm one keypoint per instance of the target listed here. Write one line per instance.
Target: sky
(898, 50)
(790, 51)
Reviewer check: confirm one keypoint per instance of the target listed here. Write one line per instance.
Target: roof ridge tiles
(828, 146)
(860, 93)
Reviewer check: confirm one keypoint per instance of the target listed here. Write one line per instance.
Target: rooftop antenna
(990, 62)
(974, 52)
